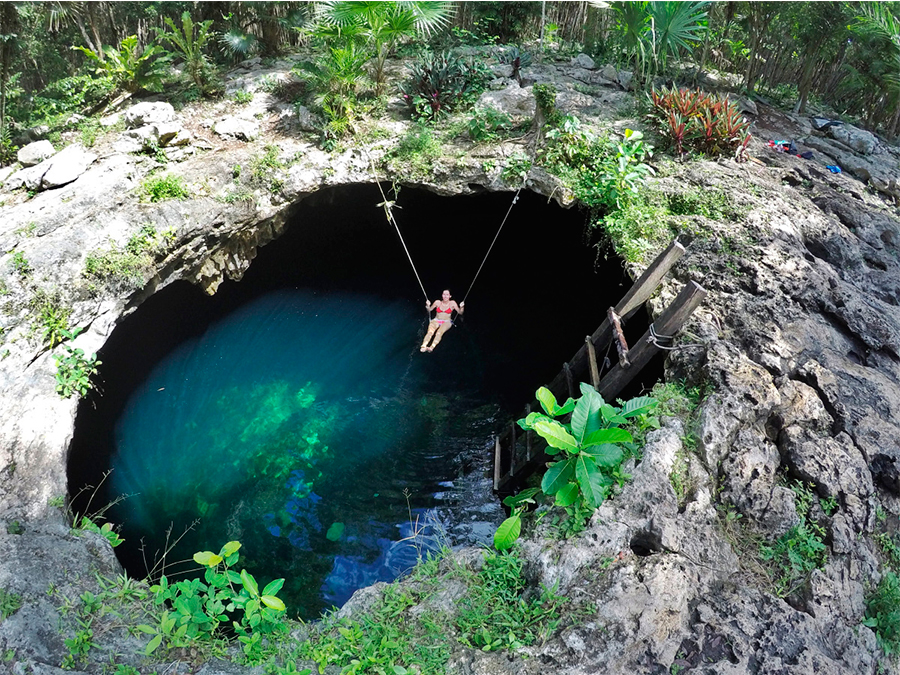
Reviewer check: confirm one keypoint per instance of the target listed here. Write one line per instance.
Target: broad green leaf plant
(196, 609)
(591, 447)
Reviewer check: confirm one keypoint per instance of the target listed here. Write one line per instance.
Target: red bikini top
(449, 310)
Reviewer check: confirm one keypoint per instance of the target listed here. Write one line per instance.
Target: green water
(298, 416)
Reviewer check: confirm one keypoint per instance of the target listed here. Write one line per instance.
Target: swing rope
(388, 206)
(389, 214)
(508, 211)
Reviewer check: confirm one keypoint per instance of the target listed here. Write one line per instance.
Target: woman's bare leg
(440, 333)
(432, 327)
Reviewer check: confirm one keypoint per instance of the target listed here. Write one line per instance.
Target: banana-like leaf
(556, 436)
(591, 481)
(605, 455)
(611, 415)
(528, 422)
(601, 436)
(639, 406)
(558, 475)
(207, 558)
(507, 533)
(524, 497)
(568, 495)
(585, 417)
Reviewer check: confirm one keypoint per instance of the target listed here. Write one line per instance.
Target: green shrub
(74, 371)
(10, 603)
(443, 83)
(545, 98)
(169, 186)
(197, 609)
(242, 96)
(696, 120)
(494, 613)
(883, 613)
(416, 152)
(800, 550)
(129, 66)
(20, 264)
(485, 124)
(130, 262)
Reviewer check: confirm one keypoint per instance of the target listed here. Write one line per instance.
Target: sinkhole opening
(293, 411)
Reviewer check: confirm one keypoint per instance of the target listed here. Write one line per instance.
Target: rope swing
(508, 211)
(388, 207)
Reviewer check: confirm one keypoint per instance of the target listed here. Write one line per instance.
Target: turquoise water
(303, 425)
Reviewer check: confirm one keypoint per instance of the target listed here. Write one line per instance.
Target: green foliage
(883, 613)
(604, 173)
(696, 120)
(74, 370)
(263, 169)
(188, 42)
(798, 551)
(129, 67)
(106, 530)
(593, 444)
(195, 609)
(20, 264)
(545, 99)
(443, 83)
(10, 603)
(495, 613)
(54, 320)
(129, 263)
(160, 188)
(654, 31)
(243, 96)
(889, 549)
(380, 25)
(416, 152)
(517, 58)
(336, 78)
(485, 124)
(516, 168)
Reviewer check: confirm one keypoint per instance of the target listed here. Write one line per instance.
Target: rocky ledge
(797, 343)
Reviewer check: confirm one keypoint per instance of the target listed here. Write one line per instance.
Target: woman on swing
(441, 322)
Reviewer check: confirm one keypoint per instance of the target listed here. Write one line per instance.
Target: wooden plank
(570, 380)
(646, 284)
(669, 323)
(592, 362)
(637, 295)
(619, 337)
(496, 463)
(512, 449)
(528, 436)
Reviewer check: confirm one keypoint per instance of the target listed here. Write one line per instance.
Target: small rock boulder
(236, 127)
(66, 166)
(35, 153)
(142, 114)
(513, 101)
(860, 140)
(583, 61)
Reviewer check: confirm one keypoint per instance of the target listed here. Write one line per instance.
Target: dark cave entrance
(340, 270)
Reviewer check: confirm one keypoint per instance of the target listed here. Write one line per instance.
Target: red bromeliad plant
(697, 120)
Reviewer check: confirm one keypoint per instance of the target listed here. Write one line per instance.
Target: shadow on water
(293, 411)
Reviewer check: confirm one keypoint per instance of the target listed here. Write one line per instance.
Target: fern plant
(188, 42)
(130, 67)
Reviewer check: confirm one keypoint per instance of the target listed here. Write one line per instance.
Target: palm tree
(381, 24)
(654, 31)
(879, 24)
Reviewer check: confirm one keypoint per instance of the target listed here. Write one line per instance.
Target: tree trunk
(806, 79)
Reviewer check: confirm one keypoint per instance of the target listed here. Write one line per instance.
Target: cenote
(292, 411)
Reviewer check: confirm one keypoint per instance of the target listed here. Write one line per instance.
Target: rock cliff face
(798, 339)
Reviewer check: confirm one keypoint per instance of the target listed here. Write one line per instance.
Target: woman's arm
(431, 306)
(460, 308)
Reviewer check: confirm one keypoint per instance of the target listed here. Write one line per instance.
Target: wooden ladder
(518, 453)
